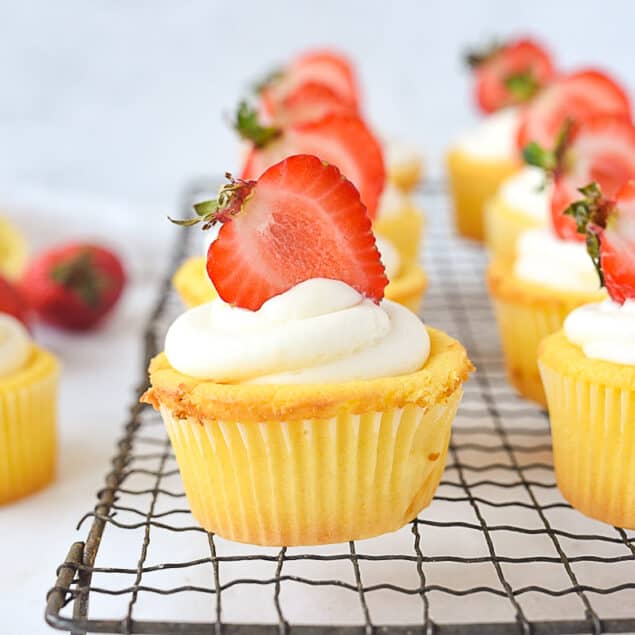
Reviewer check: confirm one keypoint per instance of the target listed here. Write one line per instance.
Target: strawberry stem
(591, 215)
(249, 127)
(270, 78)
(553, 162)
(475, 57)
(231, 199)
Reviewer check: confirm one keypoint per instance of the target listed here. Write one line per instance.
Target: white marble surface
(106, 108)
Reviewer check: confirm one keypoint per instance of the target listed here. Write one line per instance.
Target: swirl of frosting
(604, 330)
(493, 138)
(15, 345)
(320, 331)
(392, 201)
(529, 192)
(558, 264)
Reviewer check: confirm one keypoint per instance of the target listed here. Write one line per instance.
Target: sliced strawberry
(342, 140)
(510, 74)
(601, 149)
(309, 102)
(610, 236)
(302, 219)
(318, 67)
(573, 97)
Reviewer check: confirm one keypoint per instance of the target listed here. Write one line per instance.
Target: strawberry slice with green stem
(342, 140)
(301, 219)
(600, 149)
(575, 97)
(609, 228)
(510, 74)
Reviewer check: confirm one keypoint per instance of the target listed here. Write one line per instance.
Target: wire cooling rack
(498, 551)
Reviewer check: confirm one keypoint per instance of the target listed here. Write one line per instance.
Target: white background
(107, 107)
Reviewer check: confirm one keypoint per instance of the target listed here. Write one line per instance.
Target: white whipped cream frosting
(543, 258)
(493, 138)
(528, 192)
(15, 345)
(320, 331)
(604, 330)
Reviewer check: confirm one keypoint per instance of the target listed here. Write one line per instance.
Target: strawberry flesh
(574, 97)
(302, 220)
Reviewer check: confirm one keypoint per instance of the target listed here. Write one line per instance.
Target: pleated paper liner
(593, 432)
(315, 481)
(28, 438)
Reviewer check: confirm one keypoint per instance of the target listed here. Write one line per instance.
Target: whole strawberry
(510, 74)
(12, 301)
(74, 286)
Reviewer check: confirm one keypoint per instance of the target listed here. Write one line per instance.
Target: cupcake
(28, 397)
(407, 281)
(481, 159)
(13, 251)
(552, 274)
(304, 408)
(588, 371)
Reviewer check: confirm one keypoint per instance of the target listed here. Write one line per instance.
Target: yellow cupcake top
(557, 353)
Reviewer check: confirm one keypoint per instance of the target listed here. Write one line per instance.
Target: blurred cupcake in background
(13, 250)
(588, 370)
(523, 201)
(506, 77)
(28, 403)
(552, 274)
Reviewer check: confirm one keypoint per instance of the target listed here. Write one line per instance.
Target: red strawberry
(309, 102)
(573, 97)
(74, 286)
(302, 219)
(343, 140)
(510, 74)
(600, 149)
(12, 301)
(610, 235)
(318, 67)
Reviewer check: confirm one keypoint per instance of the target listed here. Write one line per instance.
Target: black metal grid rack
(498, 551)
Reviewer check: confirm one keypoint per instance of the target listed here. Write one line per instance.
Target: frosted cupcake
(552, 274)
(28, 403)
(481, 159)
(302, 407)
(588, 371)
